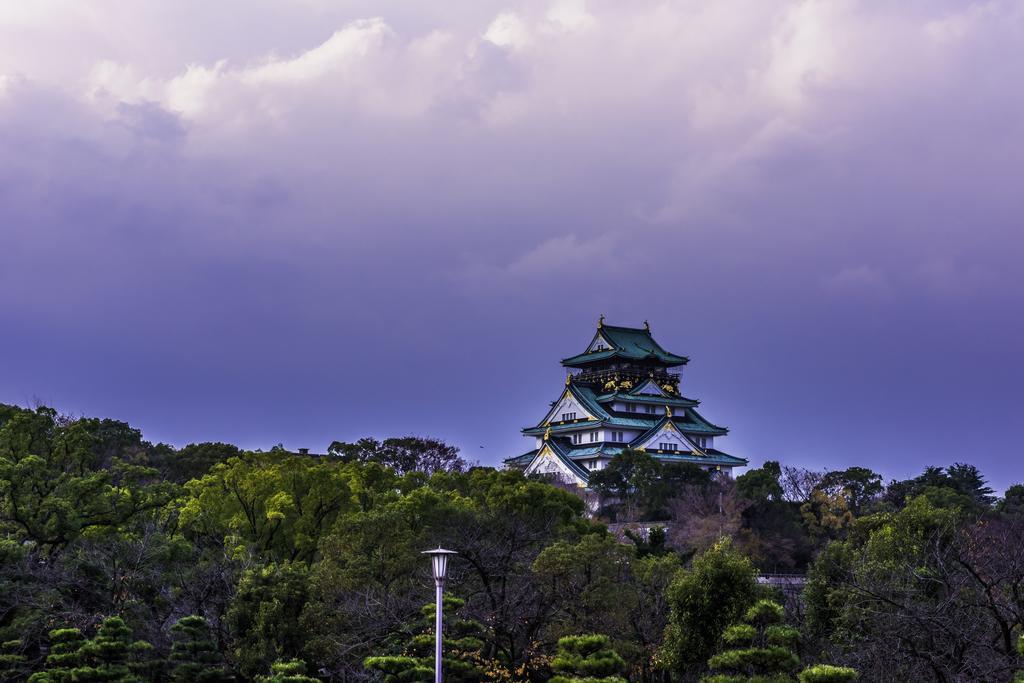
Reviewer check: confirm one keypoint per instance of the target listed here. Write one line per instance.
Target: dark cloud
(398, 225)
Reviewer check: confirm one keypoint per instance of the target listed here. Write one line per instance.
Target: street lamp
(439, 560)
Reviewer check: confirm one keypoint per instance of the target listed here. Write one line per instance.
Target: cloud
(235, 178)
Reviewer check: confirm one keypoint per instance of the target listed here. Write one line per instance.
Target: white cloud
(508, 30)
(569, 15)
(343, 49)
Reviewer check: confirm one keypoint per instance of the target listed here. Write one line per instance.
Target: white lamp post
(439, 560)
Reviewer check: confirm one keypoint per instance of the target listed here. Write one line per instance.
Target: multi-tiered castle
(620, 394)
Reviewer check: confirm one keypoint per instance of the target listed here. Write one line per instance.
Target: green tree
(65, 656)
(631, 478)
(1012, 502)
(412, 648)
(827, 673)
(108, 655)
(715, 592)
(761, 484)
(61, 479)
(264, 616)
(403, 455)
(13, 664)
(194, 654)
(287, 671)
(600, 585)
(197, 459)
(373, 571)
(587, 659)
(759, 649)
(859, 486)
(274, 504)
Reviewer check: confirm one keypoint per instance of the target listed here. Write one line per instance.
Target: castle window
(576, 437)
(593, 437)
(566, 417)
(650, 409)
(631, 408)
(617, 437)
(667, 446)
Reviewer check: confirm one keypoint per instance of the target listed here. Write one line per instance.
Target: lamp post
(439, 562)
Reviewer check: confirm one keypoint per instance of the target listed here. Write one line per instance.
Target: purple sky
(299, 221)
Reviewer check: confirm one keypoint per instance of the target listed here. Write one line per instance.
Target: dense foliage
(123, 560)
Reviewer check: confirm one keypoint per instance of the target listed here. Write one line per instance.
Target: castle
(620, 394)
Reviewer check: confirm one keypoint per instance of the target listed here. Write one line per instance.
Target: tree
(601, 585)
(1013, 501)
(276, 505)
(194, 655)
(827, 673)
(858, 485)
(264, 616)
(759, 485)
(372, 576)
(631, 478)
(61, 479)
(826, 516)
(958, 486)
(924, 593)
(587, 659)
(759, 648)
(412, 649)
(287, 671)
(716, 592)
(196, 459)
(13, 664)
(108, 655)
(403, 455)
(701, 515)
(65, 656)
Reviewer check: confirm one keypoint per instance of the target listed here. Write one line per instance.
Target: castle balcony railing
(634, 374)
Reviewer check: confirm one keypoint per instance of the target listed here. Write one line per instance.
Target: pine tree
(826, 673)
(66, 646)
(12, 662)
(587, 659)
(760, 648)
(287, 671)
(108, 655)
(411, 660)
(194, 654)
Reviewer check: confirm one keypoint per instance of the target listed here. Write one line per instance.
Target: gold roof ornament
(547, 433)
(668, 412)
(568, 378)
(647, 326)
(600, 321)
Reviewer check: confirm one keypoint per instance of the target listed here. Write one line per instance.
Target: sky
(295, 221)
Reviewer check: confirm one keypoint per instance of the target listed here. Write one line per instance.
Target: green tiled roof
(713, 457)
(679, 402)
(702, 425)
(686, 425)
(629, 343)
(521, 460)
